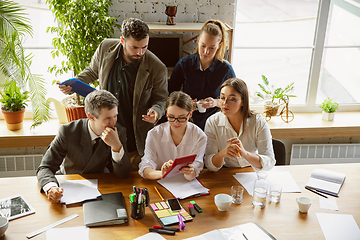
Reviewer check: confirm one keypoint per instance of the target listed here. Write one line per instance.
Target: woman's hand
(165, 167)
(189, 172)
(210, 103)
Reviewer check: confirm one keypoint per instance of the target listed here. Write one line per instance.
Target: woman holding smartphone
(202, 73)
(237, 136)
(176, 138)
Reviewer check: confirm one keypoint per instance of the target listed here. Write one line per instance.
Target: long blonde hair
(215, 28)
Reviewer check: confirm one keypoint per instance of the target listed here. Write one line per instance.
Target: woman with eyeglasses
(201, 74)
(176, 138)
(237, 136)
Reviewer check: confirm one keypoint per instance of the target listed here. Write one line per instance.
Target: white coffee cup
(223, 201)
(4, 223)
(304, 204)
(200, 107)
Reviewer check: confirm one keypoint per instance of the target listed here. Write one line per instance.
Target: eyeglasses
(179, 119)
(230, 101)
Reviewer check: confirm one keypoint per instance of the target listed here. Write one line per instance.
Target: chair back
(279, 151)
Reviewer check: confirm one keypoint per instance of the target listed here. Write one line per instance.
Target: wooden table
(190, 27)
(282, 220)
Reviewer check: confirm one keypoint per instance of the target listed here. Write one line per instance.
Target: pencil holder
(137, 210)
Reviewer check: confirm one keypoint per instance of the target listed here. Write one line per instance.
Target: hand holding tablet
(178, 164)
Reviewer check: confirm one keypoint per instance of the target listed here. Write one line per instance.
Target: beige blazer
(150, 84)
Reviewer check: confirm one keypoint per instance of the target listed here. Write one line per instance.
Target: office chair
(279, 151)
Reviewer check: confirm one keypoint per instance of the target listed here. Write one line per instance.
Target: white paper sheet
(283, 178)
(338, 226)
(328, 203)
(250, 230)
(73, 233)
(79, 190)
(151, 236)
(182, 188)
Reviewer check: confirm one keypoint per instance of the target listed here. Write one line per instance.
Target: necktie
(97, 140)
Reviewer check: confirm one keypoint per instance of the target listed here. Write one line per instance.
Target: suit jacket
(150, 90)
(71, 153)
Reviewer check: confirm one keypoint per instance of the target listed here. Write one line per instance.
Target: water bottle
(260, 190)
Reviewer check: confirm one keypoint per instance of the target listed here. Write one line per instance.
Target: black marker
(169, 232)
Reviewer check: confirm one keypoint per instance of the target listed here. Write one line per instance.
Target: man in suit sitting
(93, 145)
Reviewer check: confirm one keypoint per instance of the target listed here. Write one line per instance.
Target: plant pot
(14, 120)
(73, 112)
(328, 116)
(271, 110)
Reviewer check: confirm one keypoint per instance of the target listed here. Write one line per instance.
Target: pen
(245, 236)
(319, 190)
(162, 231)
(159, 193)
(239, 155)
(167, 228)
(311, 190)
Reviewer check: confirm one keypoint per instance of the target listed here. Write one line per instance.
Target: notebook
(326, 181)
(108, 211)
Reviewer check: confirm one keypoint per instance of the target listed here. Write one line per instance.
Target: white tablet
(15, 207)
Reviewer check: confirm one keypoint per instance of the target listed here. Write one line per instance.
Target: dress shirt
(256, 139)
(117, 156)
(160, 147)
(200, 83)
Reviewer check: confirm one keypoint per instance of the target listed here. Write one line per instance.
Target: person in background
(175, 138)
(237, 136)
(96, 144)
(136, 77)
(202, 73)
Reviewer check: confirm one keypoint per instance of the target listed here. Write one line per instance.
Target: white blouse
(256, 139)
(160, 147)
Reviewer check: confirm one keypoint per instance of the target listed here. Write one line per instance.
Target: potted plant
(328, 109)
(270, 95)
(13, 105)
(14, 64)
(83, 25)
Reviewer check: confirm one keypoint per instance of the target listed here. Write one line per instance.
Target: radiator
(19, 165)
(324, 153)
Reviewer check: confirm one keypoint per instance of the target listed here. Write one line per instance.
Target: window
(40, 44)
(313, 43)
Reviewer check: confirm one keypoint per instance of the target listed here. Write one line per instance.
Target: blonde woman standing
(202, 73)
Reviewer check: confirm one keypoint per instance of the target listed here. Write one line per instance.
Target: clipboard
(178, 164)
(78, 86)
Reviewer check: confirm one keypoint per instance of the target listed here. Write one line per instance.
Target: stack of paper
(182, 188)
(282, 178)
(76, 191)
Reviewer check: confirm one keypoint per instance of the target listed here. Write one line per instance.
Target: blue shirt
(200, 84)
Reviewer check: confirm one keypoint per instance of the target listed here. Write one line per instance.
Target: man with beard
(135, 76)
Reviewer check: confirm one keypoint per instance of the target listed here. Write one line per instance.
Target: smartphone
(174, 204)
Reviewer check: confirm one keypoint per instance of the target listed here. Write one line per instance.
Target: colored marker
(192, 210)
(197, 207)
